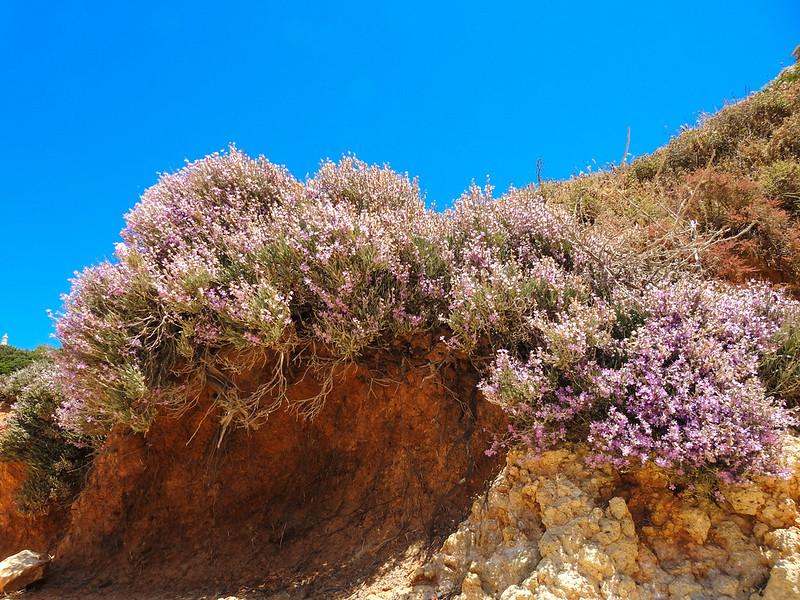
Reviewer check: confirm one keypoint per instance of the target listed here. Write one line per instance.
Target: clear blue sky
(98, 98)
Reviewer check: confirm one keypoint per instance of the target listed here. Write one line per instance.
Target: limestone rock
(724, 585)
(553, 528)
(785, 541)
(684, 586)
(745, 501)
(21, 570)
(471, 588)
(694, 521)
(784, 581)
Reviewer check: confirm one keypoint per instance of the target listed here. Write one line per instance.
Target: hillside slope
(298, 390)
(724, 194)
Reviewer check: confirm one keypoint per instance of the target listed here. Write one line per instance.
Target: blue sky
(98, 98)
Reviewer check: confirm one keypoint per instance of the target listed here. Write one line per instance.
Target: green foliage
(55, 460)
(645, 168)
(13, 359)
(780, 371)
(688, 151)
(781, 180)
(585, 204)
(788, 75)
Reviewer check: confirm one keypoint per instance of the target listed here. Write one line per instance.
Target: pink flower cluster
(681, 389)
(510, 259)
(232, 252)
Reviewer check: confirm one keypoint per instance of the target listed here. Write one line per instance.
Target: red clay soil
(18, 532)
(305, 506)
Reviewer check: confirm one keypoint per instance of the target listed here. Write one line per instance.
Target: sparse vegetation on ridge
(731, 181)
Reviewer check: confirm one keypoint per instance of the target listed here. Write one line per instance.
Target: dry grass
(725, 193)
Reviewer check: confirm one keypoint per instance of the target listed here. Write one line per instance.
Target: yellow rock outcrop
(553, 528)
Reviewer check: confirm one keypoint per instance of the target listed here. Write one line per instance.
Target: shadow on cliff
(392, 460)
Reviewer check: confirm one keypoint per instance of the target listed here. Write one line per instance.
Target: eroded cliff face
(554, 528)
(18, 532)
(392, 459)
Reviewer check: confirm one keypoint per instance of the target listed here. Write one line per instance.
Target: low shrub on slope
(234, 254)
(727, 189)
(232, 262)
(55, 459)
(13, 359)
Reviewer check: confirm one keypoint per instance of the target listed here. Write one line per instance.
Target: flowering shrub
(110, 314)
(233, 253)
(231, 263)
(513, 258)
(682, 390)
(780, 370)
(363, 252)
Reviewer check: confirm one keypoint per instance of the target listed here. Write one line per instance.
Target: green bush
(688, 151)
(13, 359)
(645, 168)
(55, 460)
(788, 75)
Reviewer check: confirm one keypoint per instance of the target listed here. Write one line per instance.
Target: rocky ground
(554, 528)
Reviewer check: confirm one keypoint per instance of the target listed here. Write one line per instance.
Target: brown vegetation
(725, 193)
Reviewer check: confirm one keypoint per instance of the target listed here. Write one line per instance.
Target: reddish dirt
(23, 531)
(310, 507)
